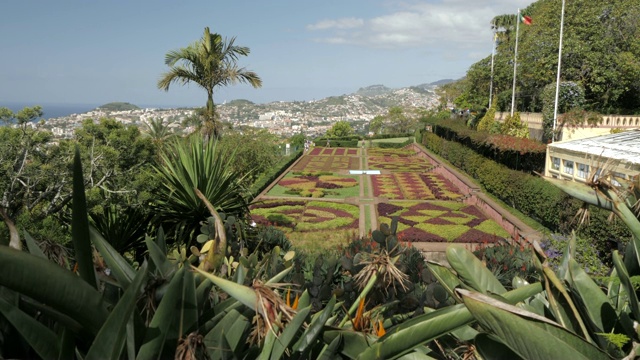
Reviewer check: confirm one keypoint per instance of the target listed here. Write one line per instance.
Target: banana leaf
(404, 337)
(471, 271)
(529, 335)
(595, 303)
(626, 283)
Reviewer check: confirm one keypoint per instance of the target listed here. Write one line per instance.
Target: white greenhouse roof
(624, 146)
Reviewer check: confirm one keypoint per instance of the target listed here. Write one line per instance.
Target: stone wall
(609, 122)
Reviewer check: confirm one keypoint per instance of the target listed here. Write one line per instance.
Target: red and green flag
(525, 19)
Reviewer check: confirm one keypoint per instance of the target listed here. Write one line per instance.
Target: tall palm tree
(209, 63)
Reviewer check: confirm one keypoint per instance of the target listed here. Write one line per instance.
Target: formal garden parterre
(428, 206)
(316, 185)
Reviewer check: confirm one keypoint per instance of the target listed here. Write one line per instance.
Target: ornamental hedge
(266, 179)
(526, 155)
(529, 194)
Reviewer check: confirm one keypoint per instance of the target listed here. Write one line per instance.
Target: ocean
(51, 111)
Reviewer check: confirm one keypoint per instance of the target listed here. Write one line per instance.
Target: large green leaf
(445, 277)
(244, 294)
(120, 267)
(109, 342)
(410, 334)
(626, 283)
(562, 305)
(353, 344)
(331, 352)
(48, 283)
(159, 330)
(80, 225)
(527, 334)
(594, 301)
(189, 304)
(472, 271)
(294, 327)
(490, 348)
(33, 247)
(159, 258)
(40, 338)
(307, 340)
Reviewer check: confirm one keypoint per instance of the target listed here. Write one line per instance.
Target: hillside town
(284, 119)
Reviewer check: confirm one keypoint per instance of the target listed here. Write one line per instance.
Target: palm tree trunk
(14, 236)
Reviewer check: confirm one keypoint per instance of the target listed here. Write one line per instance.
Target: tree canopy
(607, 69)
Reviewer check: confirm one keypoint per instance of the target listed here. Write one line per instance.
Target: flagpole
(555, 107)
(515, 64)
(493, 54)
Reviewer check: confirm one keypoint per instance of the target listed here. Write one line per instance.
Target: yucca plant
(191, 164)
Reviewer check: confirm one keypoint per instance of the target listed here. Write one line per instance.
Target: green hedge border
(267, 178)
(530, 194)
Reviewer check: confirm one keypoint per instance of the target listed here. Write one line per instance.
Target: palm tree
(209, 63)
(158, 132)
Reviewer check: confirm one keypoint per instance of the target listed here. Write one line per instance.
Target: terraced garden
(319, 205)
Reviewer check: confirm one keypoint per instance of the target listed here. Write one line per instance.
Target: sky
(94, 52)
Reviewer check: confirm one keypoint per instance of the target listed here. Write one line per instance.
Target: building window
(597, 174)
(568, 167)
(555, 163)
(583, 171)
(617, 175)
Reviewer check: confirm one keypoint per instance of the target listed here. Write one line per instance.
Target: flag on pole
(525, 19)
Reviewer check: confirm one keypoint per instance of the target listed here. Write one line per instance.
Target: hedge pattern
(526, 155)
(530, 194)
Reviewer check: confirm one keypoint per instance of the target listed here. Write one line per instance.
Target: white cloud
(460, 24)
(344, 23)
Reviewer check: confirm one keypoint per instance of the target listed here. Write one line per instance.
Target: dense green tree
(252, 151)
(341, 128)
(297, 141)
(208, 63)
(607, 68)
(376, 125)
(118, 163)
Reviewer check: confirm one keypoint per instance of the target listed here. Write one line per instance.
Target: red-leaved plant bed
(474, 236)
(310, 163)
(440, 221)
(404, 164)
(416, 235)
(270, 204)
(309, 216)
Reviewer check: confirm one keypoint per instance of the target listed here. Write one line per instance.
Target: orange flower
(379, 328)
(294, 306)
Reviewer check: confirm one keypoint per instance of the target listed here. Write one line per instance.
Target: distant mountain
(442, 82)
(373, 90)
(118, 106)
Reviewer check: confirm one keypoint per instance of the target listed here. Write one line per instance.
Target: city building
(618, 154)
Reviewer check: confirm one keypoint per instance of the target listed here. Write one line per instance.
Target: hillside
(118, 106)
